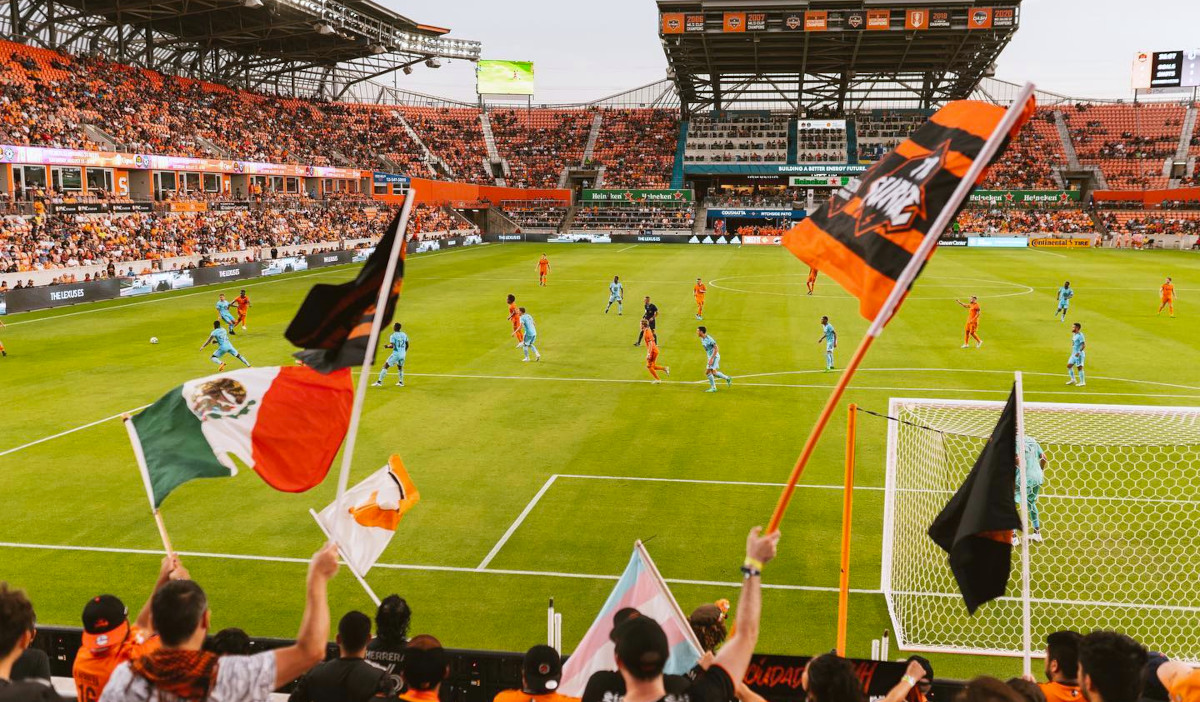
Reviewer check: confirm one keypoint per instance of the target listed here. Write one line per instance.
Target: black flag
(976, 526)
(334, 322)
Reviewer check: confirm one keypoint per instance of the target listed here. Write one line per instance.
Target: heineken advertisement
(818, 182)
(1024, 197)
(631, 195)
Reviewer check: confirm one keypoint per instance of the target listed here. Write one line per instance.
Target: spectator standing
(110, 640)
(541, 673)
(1110, 667)
(231, 641)
(831, 678)
(386, 650)
(349, 677)
(180, 670)
(17, 622)
(425, 667)
(1062, 667)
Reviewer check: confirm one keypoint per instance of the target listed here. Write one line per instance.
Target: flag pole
(1023, 467)
(140, 457)
(903, 282)
(385, 289)
(847, 505)
(653, 570)
(345, 557)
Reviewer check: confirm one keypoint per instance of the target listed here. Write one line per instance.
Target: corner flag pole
(385, 289)
(847, 507)
(1023, 467)
(141, 463)
(903, 282)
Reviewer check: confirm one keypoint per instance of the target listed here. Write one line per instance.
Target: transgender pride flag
(642, 588)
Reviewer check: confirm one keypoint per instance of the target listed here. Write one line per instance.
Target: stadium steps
(568, 219)
(700, 224)
(1185, 135)
(428, 156)
(593, 137)
(1064, 135)
(680, 149)
(493, 154)
(212, 148)
(101, 137)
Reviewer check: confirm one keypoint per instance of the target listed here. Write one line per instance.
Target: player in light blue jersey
(398, 343)
(829, 336)
(226, 315)
(615, 294)
(712, 370)
(1078, 355)
(1065, 293)
(1035, 475)
(221, 338)
(530, 332)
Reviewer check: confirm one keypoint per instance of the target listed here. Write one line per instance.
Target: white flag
(370, 513)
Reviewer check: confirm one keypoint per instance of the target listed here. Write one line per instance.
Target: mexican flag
(285, 423)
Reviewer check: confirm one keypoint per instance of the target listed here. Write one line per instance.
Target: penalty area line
(512, 528)
(419, 568)
(70, 431)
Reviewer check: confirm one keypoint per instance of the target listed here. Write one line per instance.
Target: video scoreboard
(1165, 70)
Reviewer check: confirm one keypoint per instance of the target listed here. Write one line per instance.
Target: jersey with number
(220, 336)
(399, 342)
(1033, 463)
(614, 289)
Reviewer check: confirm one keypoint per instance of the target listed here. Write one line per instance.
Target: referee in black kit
(649, 315)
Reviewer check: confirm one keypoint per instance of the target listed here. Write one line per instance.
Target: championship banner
(734, 22)
(694, 23)
(1024, 197)
(879, 19)
(777, 678)
(636, 195)
(916, 19)
(1004, 17)
(816, 21)
(672, 23)
(793, 21)
(220, 274)
(979, 18)
(939, 19)
(44, 296)
(756, 21)
(855, 19)
(1052, 243)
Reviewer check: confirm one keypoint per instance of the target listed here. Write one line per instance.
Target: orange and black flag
(334, 322)
(976, 525)
(869, 230)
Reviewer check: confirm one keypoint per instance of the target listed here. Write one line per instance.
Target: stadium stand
(636, 147)
(1182, 223)
(820, 144)
(539, 143)
(535, 214)
(879, 131)
(1128, 142)
(758, 198)
(636, 217)
(1029, 161)
(455, 135)
(738, 138)
(1025, 221)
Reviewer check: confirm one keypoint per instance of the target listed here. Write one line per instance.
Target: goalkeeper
(1035, 466)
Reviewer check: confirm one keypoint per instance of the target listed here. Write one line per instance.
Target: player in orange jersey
(972, 329)
(543, 269)
(514, 316)
(243, 307)
(652, 352)
(698, 291)
(812, 280)
(2, 351)
(1167, 292)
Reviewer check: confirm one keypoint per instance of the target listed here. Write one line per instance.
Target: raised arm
(912, 676)
(309, 649)
(735, 655)
(171, 569)
(206, 342)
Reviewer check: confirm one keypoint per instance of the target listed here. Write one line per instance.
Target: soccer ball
(154, 339)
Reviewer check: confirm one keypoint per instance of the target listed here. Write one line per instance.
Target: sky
(587, 50)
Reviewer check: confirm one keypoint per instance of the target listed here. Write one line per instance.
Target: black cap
(622, 615)
(103, 615)
(642, 647)
(542, 668)
(425, 662)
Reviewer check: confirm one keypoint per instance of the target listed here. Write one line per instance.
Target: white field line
(512, 528)
(627, 248)
(695, 481)
(70, 431)
(208, 289)
(414, 567)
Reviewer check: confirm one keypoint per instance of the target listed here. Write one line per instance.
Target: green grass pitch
(482, 433)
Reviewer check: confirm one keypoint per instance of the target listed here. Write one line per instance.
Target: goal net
(1120, 519)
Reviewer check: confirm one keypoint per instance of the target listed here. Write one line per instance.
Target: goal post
(1120, 521)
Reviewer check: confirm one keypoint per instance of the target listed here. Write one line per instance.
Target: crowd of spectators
(539, 144)
(1182, 223)
(535, 214)
(879, 131)
(737, 138)
(1028, 162)
(1024, 221)
(753, 198)
(636, 147)
(433, 221)
(635, 217)
(52, 241)
(824, 144)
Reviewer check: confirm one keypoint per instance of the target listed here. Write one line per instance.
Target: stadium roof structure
(831, 56)
(305, 48)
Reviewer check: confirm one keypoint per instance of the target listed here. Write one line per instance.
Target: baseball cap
(642, 647)
(105, 621)
(425, 662)
(543, 670)
(622, 615)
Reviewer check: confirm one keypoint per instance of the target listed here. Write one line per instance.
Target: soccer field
(536, 478)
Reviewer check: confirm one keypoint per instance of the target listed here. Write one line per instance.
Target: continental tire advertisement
(1051, 243)
(220, 274)
(45, 296)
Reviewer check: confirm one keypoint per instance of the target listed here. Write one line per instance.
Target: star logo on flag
(895, 197)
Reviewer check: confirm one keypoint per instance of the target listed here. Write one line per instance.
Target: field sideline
(537, 477)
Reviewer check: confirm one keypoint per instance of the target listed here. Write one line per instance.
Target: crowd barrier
(476, 676)
(27, 299)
